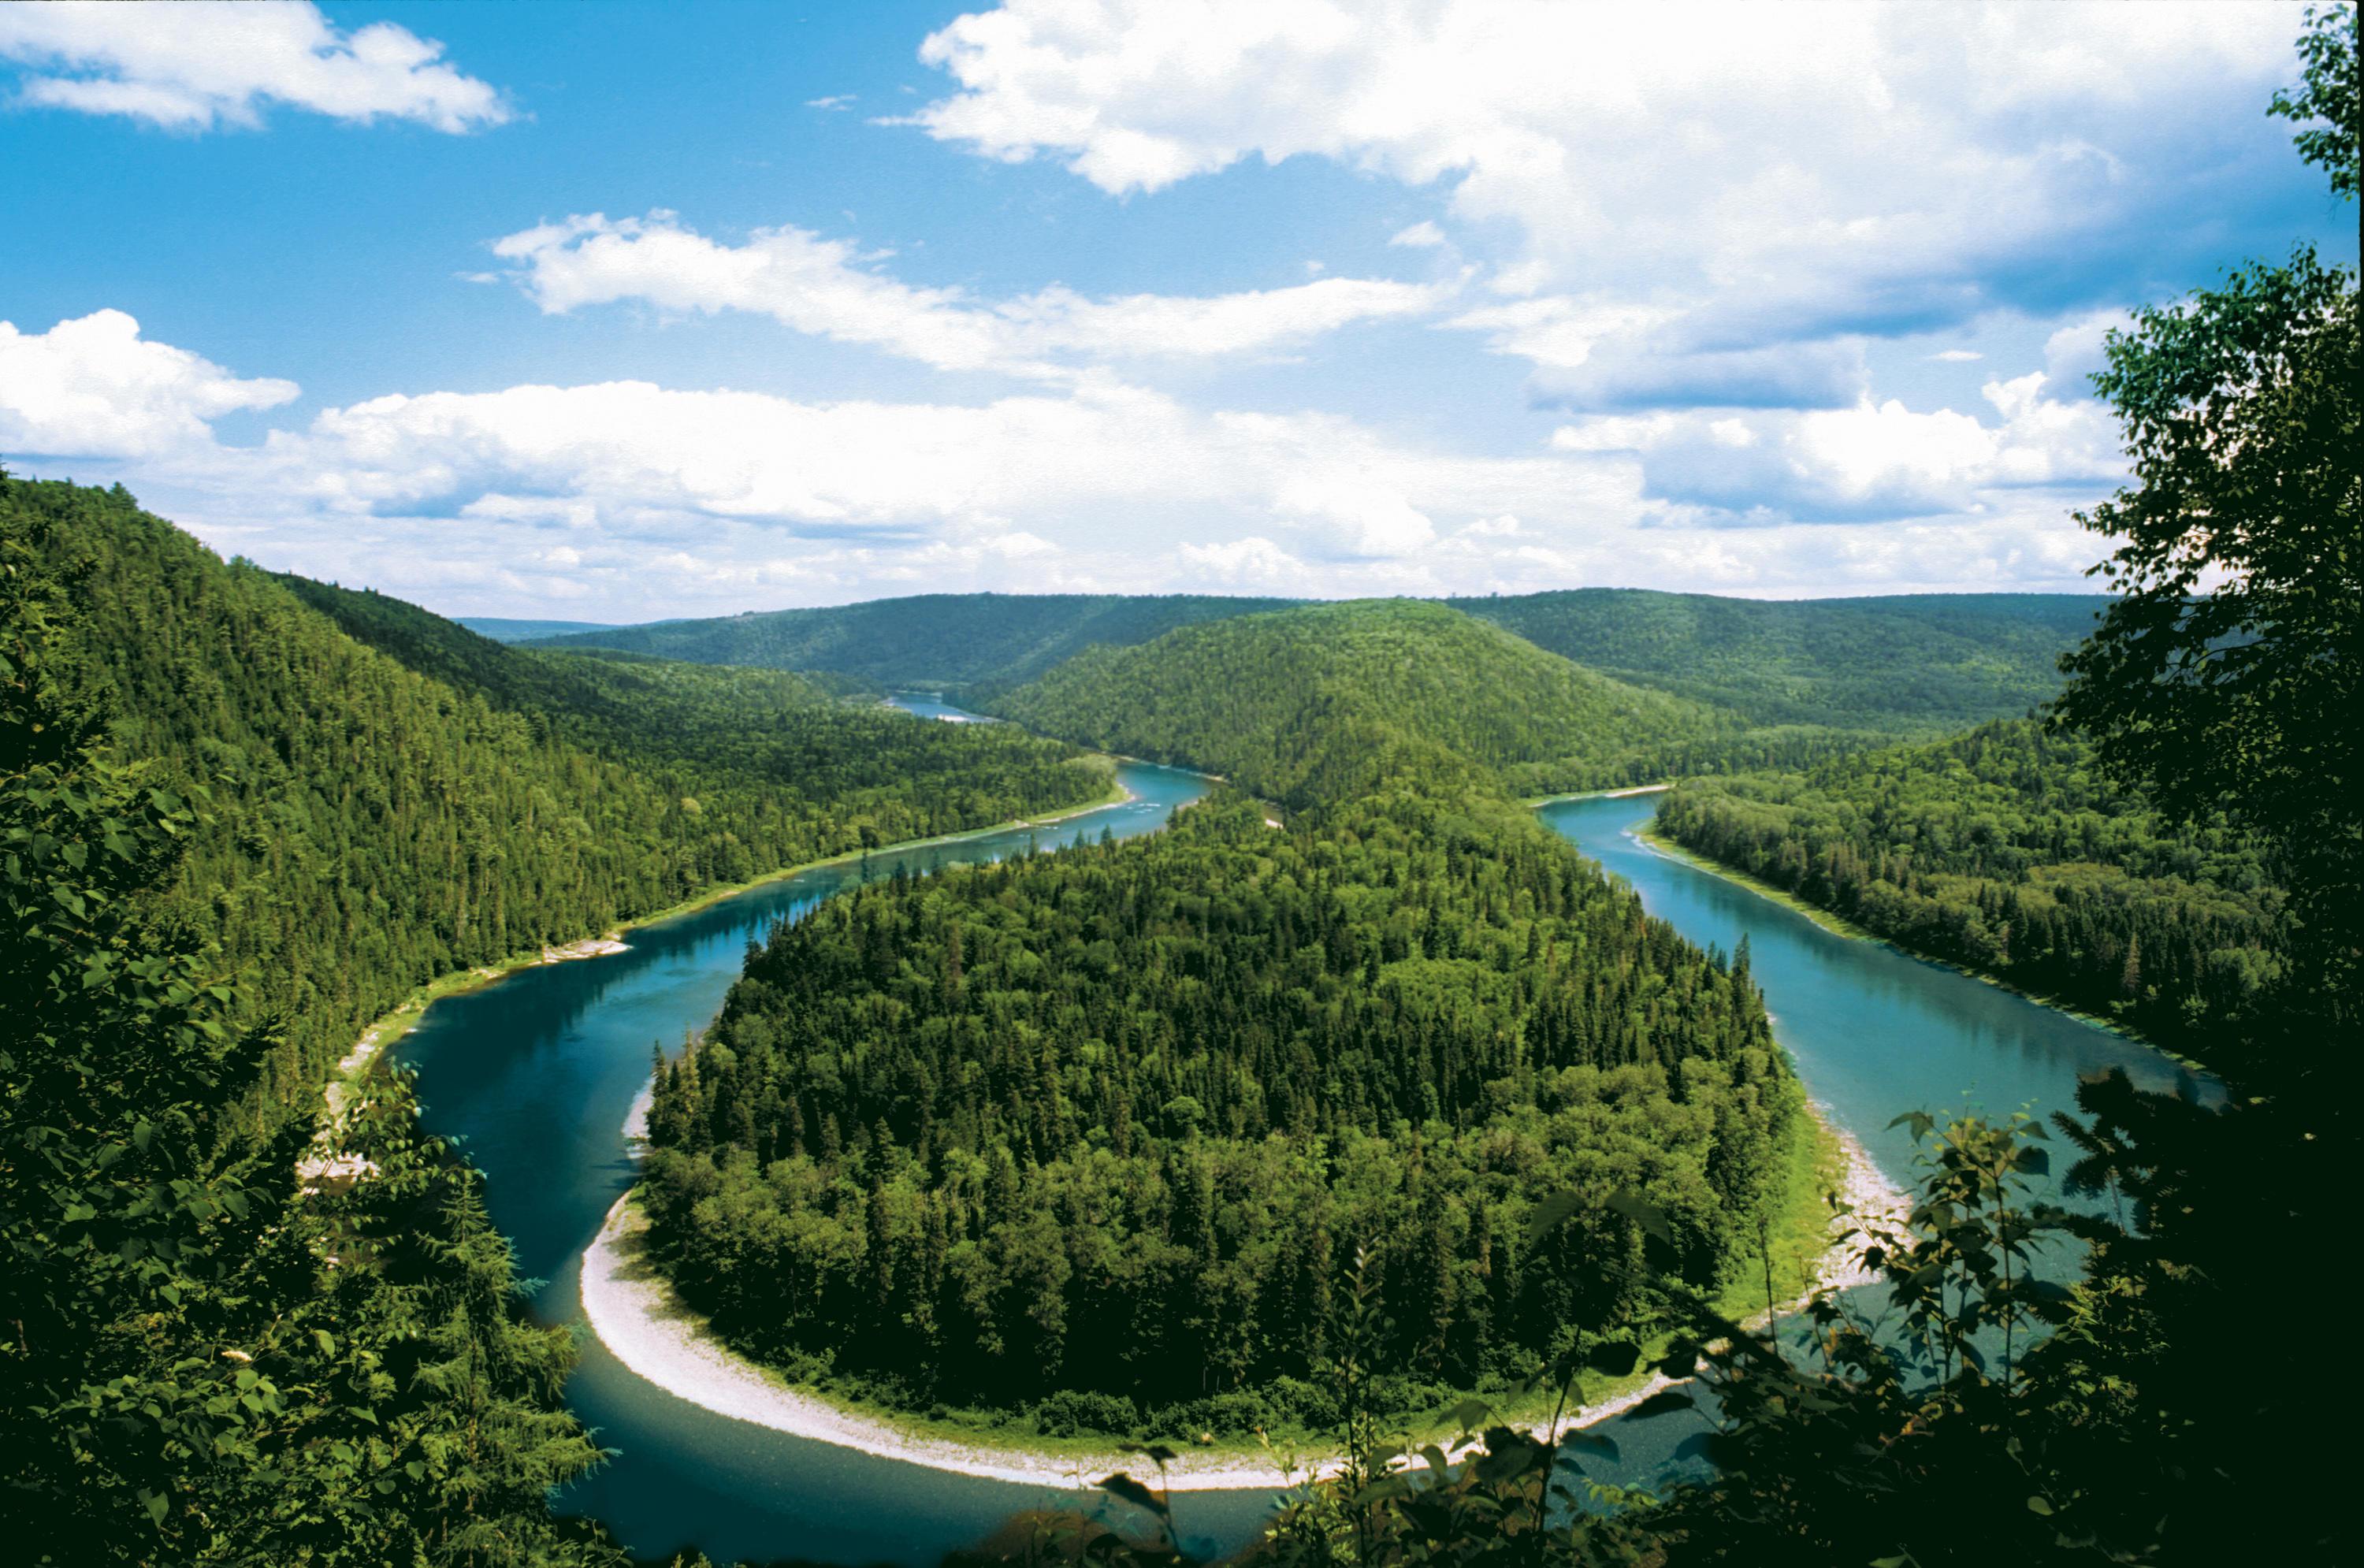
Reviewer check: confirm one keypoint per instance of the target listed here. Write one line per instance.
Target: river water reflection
(538, 1073)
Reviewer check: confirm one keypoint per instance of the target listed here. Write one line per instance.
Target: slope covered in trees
(1270, 701)
(1919, 662)
(1097, 1134)
(2010, 851)
(202, 1365)
(930, 640)
(368, 826)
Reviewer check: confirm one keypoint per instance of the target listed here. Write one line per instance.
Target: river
(537, 1073)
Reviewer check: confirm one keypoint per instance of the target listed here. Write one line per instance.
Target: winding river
(539, 1072)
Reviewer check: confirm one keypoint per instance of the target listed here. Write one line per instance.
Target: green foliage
(2229, 674)
(931, 641)
(1096, 1133)
(1325, 702)
(1916, 665)
(199, 1366)
(2329, 104)
(2010, 851)
(384, 818)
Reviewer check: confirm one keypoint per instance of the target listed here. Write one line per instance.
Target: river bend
(538, 1073)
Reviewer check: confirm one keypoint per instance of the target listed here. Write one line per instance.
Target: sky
(618, 312)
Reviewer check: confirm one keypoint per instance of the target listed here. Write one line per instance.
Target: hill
(930, 641)
(390, 797)
(502, 629)
(1907, 663)
(1091, 1141)
(1303, 702)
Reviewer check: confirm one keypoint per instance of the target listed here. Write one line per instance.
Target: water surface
(539, 1072)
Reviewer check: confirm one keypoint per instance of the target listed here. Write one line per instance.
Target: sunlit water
(538, 1073)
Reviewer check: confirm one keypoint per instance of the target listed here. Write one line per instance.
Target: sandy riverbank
(634, 1312)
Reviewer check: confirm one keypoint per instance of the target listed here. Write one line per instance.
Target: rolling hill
(1285, 702)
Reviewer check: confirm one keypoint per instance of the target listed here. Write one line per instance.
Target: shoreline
(632, 1310)
(1839, 925)
(1532, 802)
(391, 1026)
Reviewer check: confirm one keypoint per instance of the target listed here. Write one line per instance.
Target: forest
(1095, 1135)
(1354, 1087)
(388, 797)
(2010, 851)
(1842, 670)
(928, 642)
(1264, 699)
(1919, 664)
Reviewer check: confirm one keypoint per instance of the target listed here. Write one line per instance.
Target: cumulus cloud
(1422, 235)
(1871, 462)
(94, 387)
(830, 288)
(627, 500)
(1762, 176)
(195, 66)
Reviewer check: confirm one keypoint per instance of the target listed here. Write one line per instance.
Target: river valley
(538, 1073)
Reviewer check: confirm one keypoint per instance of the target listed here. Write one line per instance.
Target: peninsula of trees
(1097, 1135)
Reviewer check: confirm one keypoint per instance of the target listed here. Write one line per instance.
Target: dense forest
(1264, 699)
(930, 641)
(1098, 1134)
(1841, 669)
(203, 1363)
(1923, 664)
(369, 825)
(2010, 851)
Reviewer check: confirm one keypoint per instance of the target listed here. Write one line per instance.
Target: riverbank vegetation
(1094, 1136)
(2012, 853)
(388, 797)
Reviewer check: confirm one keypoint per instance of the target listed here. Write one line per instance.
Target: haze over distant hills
(501, 628)
(1910, 663)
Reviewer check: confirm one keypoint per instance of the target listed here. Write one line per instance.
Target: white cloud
(828, 288)
(93, 387)
(1870, 461)
(1760, 175)
(838, 101)
(1252, 562)
(1419, 236)
(627, 500)
(198, 65)
(1956, 356)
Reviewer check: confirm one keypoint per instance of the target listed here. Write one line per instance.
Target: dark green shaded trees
(198, 1364)
(383, 817)
(1097, 1133)
(2010, 851)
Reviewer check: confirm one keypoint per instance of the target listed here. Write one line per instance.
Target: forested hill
(369, 825)
(1917, 663)
(1908, 664)
(931, 641)
(1318, 701)
(501, 628)
(1090, 1139)
(2010, 851)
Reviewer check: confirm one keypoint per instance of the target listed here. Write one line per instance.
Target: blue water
(538, 1073)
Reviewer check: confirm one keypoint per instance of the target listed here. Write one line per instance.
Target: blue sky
(616, 311)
